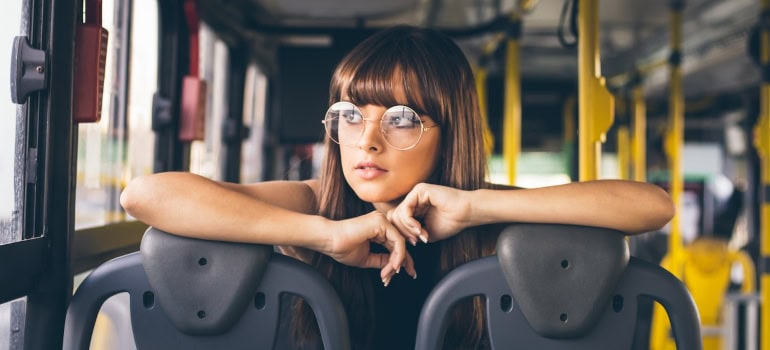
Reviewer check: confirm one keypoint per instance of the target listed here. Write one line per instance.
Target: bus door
(37, 174)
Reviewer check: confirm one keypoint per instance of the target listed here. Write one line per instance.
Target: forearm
(630, 207)
(189, 205)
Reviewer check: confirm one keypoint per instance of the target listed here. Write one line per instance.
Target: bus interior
(98, 92)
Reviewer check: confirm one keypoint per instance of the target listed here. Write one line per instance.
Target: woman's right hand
(350, 245)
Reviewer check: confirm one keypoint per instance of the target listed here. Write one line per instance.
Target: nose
(371, 137)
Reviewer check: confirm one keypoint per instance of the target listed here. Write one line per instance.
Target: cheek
(347, 163)
(423, 164)
(431, 164)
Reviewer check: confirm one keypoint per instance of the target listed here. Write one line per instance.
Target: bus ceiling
(633, 33)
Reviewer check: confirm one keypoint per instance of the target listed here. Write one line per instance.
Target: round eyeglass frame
(423, 128)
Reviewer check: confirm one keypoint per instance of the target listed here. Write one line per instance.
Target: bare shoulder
(299, 196)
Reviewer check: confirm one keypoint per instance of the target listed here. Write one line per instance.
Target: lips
(369, 170)
(368, 165)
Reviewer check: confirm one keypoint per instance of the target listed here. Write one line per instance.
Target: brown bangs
(387, 75)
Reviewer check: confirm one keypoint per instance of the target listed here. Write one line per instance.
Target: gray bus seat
(193, 294)
(560, 287)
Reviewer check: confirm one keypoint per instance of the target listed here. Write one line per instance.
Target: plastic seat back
(559, 287)
(705, 267)
(193, 294)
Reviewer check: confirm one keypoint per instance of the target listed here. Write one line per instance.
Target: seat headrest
(562, 276)
(202, 286)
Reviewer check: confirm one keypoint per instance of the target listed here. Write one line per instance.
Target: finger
(408, 233)
(377, 261)
(407, 225)
(394, 219)
(409, 266)
(411, 229)
(387, 272)
(424, 237)
(396, 245)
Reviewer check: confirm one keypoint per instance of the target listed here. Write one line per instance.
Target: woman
(404, 163)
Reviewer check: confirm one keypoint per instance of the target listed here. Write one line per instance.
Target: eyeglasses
(401, 126)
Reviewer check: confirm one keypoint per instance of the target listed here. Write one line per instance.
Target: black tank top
(398, 306)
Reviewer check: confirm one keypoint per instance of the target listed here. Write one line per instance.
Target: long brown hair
(437, 81)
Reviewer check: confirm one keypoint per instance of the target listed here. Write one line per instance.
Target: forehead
(394, 95)
(388, 86)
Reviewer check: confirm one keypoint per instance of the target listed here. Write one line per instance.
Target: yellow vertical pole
(481, 92)
(568, 117)
(595, 104)
(762, 144)
(639, 147)
(675, 134)
(624, 152)
(512, 102)
(588, 169)
(623, 141)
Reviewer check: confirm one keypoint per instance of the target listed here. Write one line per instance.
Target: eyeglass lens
(400, 125)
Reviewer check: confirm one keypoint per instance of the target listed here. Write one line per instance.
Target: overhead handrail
(640, 70)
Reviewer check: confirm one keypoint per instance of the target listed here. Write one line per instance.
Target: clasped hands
(444, 211)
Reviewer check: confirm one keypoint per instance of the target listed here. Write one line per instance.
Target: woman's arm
(631, 207)
(194, 206)
(276, 213)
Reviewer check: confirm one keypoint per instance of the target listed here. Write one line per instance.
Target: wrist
(323, 232)
(482, 206)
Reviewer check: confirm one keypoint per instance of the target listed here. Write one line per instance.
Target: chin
(377, 196)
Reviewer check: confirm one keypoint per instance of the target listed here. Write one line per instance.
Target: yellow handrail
(512, 109)
(512, 97)
(595, 105)
(675, 134)
(481, 91)
(624, 152)
(639, 141)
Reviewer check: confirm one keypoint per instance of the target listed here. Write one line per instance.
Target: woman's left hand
(444, 211)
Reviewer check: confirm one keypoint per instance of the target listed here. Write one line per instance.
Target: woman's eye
(350, 116)
(402, 119)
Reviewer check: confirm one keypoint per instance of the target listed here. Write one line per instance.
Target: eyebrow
(422, 116)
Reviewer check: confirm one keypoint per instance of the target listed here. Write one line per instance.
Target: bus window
(13, 131)
(254, 104)
(143, 81)
(120, 145)
(11, 135)
(214, 68)
(100, 145)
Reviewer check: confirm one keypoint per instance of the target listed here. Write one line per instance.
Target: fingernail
(414, 242)
(424, 238)
(415, 276)
(398, 269)
(386, 282)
